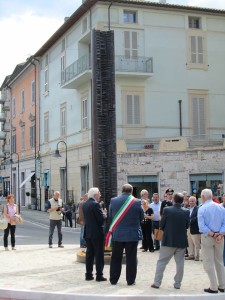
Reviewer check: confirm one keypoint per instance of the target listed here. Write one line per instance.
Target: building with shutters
(170, 98)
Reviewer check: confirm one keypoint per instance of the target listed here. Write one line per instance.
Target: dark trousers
(116, 261)
(155, 225)
(146, 228)
(95, 250)
(53, 224)
(12, 230)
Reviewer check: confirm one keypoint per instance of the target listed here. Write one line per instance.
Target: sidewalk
(37, 272)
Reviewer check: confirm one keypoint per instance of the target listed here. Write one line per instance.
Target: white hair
(207, 193)
(56, 192)
(144, 192)
(92, 192)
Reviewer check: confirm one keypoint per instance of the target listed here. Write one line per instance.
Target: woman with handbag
(146, 226)
(10, 209)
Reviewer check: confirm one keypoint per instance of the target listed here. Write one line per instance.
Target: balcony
(6, 148)
(6, 127)
(77, 73)
(140, 67)
(6, 106)
(2, 99)
(80, 72)
(2, 135)
(2, 154)
(2, 117)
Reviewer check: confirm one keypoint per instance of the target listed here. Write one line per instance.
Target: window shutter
(201, 116)
(200, 49)
(198, 113)
(129, 109)
(193, 49)
(136, 109)
(134, 45)
(127, 44)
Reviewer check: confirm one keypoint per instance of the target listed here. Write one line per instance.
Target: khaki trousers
(194, 242)
(212, 255)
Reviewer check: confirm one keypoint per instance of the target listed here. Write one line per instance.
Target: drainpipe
(35, 127)
(109, 15)
(10, 136)
(180, 116)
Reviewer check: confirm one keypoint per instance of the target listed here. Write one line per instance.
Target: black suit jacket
(94, 219)
(194, 229)
(174, 223)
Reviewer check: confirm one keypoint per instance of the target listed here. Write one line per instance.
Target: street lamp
(57, 154)
(18, 179)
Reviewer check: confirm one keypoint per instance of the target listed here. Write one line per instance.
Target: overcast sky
(25, 25)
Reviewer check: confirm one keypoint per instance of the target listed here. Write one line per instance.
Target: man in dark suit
(194, 236)
(94, 235)
(174, 223)
(126, 235)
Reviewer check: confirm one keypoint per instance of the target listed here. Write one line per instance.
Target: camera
(59, 208)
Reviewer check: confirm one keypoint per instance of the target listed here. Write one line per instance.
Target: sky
(25, 25)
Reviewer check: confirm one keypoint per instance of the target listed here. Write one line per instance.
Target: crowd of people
(188, 230)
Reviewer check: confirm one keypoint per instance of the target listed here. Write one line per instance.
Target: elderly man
(55, 209)
(194, 236)
(174, 223)
(211, 222)
(94, 235)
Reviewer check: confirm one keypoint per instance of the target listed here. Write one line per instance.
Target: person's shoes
(88, 278)
(221, 290)
(176, 287)
(189, 258)
(6, 249)
(141, 247)
(113, 283)
(210, 291)
(13, 248)
(50, 246)
(186, 255)
(144, 250)
(157, 248)
(101, 279)
(151, 250)
(131, 283)
(154, 286)
(196, 258)
(60, 246)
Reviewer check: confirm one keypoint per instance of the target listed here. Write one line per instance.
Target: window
(84, 174)
(22, 138)
(194, 22)
(129, 17)
(46, 74)
(130, 44)
(63, 121)
(14, 106)
(84, 25)
(22, 101)
(84, 113)
(63, 64)
(198, 110)
(33, 92)
(46, 128)
(133, 109)
(13, 143)
(196, 49)
(32, 136)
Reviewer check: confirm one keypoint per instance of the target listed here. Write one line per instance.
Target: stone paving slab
(36, 268)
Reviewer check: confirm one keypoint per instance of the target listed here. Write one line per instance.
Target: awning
(26, 179)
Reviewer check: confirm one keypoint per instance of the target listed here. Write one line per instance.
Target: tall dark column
(104, 114)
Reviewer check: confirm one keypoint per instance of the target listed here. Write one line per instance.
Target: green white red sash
(117, 219)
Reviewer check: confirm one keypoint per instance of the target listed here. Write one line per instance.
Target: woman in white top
(10, 209)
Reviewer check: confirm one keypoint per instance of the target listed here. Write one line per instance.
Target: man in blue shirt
(211, 221)
(155, 205)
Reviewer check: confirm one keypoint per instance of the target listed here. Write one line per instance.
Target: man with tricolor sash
(125, 213)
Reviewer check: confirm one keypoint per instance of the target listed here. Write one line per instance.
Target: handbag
(18, 219)
(3, 222)
(158, 234)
